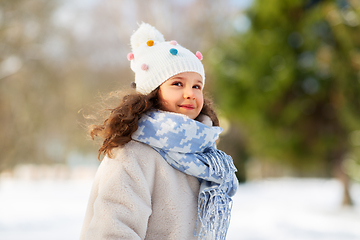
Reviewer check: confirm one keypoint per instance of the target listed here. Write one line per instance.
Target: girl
(162, 176)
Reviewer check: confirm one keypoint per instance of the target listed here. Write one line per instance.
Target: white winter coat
(138, 195)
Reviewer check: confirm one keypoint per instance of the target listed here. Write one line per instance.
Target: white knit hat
(154, 60)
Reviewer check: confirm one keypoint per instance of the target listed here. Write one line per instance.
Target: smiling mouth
(187, 106)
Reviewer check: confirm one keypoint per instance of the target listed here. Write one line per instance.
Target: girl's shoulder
(133, 158)
(132, 154)
(132, 149)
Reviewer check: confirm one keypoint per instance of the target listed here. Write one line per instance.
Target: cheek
(165, 100)
(200, 99)
(161, 100)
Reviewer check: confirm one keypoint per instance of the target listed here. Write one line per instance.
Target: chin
(192, 116)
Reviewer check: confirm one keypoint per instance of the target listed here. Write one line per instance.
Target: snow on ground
(275, 209)
(294, 209)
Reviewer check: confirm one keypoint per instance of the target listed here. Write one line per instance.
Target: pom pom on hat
(173, 42)
(145, 33)
(199, 55)
(150, 43)
(144, 67)
(130, 56)
(173, 51)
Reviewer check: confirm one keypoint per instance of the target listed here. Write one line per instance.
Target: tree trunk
(345, 181)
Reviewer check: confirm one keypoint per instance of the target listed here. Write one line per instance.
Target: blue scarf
(189, 146)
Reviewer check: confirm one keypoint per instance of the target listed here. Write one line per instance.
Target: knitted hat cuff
(145, 86)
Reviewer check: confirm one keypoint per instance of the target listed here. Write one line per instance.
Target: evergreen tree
(292, 82)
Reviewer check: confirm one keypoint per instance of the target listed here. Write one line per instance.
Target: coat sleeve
(120, 201)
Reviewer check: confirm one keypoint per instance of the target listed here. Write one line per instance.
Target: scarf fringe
(220, 164)
(214, 204)
(214, 213)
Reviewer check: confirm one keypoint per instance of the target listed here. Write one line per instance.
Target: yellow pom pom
(150, 43)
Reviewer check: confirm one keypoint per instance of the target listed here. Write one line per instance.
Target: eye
(197, 87)
(179, 84)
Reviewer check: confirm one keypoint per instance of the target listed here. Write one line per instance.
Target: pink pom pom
(173, 42)
(130, 56)
(144, 67)
(199, 55)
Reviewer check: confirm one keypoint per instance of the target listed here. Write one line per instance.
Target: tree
(23, 73)
(292, 82)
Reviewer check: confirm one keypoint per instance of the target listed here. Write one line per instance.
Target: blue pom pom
(173, 51)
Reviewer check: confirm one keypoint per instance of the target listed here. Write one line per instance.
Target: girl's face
(182, 93)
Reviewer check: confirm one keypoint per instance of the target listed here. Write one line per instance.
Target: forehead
(188, 76)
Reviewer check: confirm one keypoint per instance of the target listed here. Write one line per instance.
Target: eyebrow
(182, 78)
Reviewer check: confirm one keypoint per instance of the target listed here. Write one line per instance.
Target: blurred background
(284, 76)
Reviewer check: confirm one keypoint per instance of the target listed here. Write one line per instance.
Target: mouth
(187, 106)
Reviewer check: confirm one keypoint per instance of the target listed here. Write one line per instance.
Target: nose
(189, 93)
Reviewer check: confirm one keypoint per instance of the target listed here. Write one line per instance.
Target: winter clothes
(133, 197)
(189, 146)
(139, 193)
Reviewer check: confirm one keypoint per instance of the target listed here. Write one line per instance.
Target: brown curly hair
(122, 121)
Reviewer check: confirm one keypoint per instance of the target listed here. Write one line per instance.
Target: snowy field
(274, 209)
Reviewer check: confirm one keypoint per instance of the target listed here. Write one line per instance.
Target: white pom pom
(144, 33)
